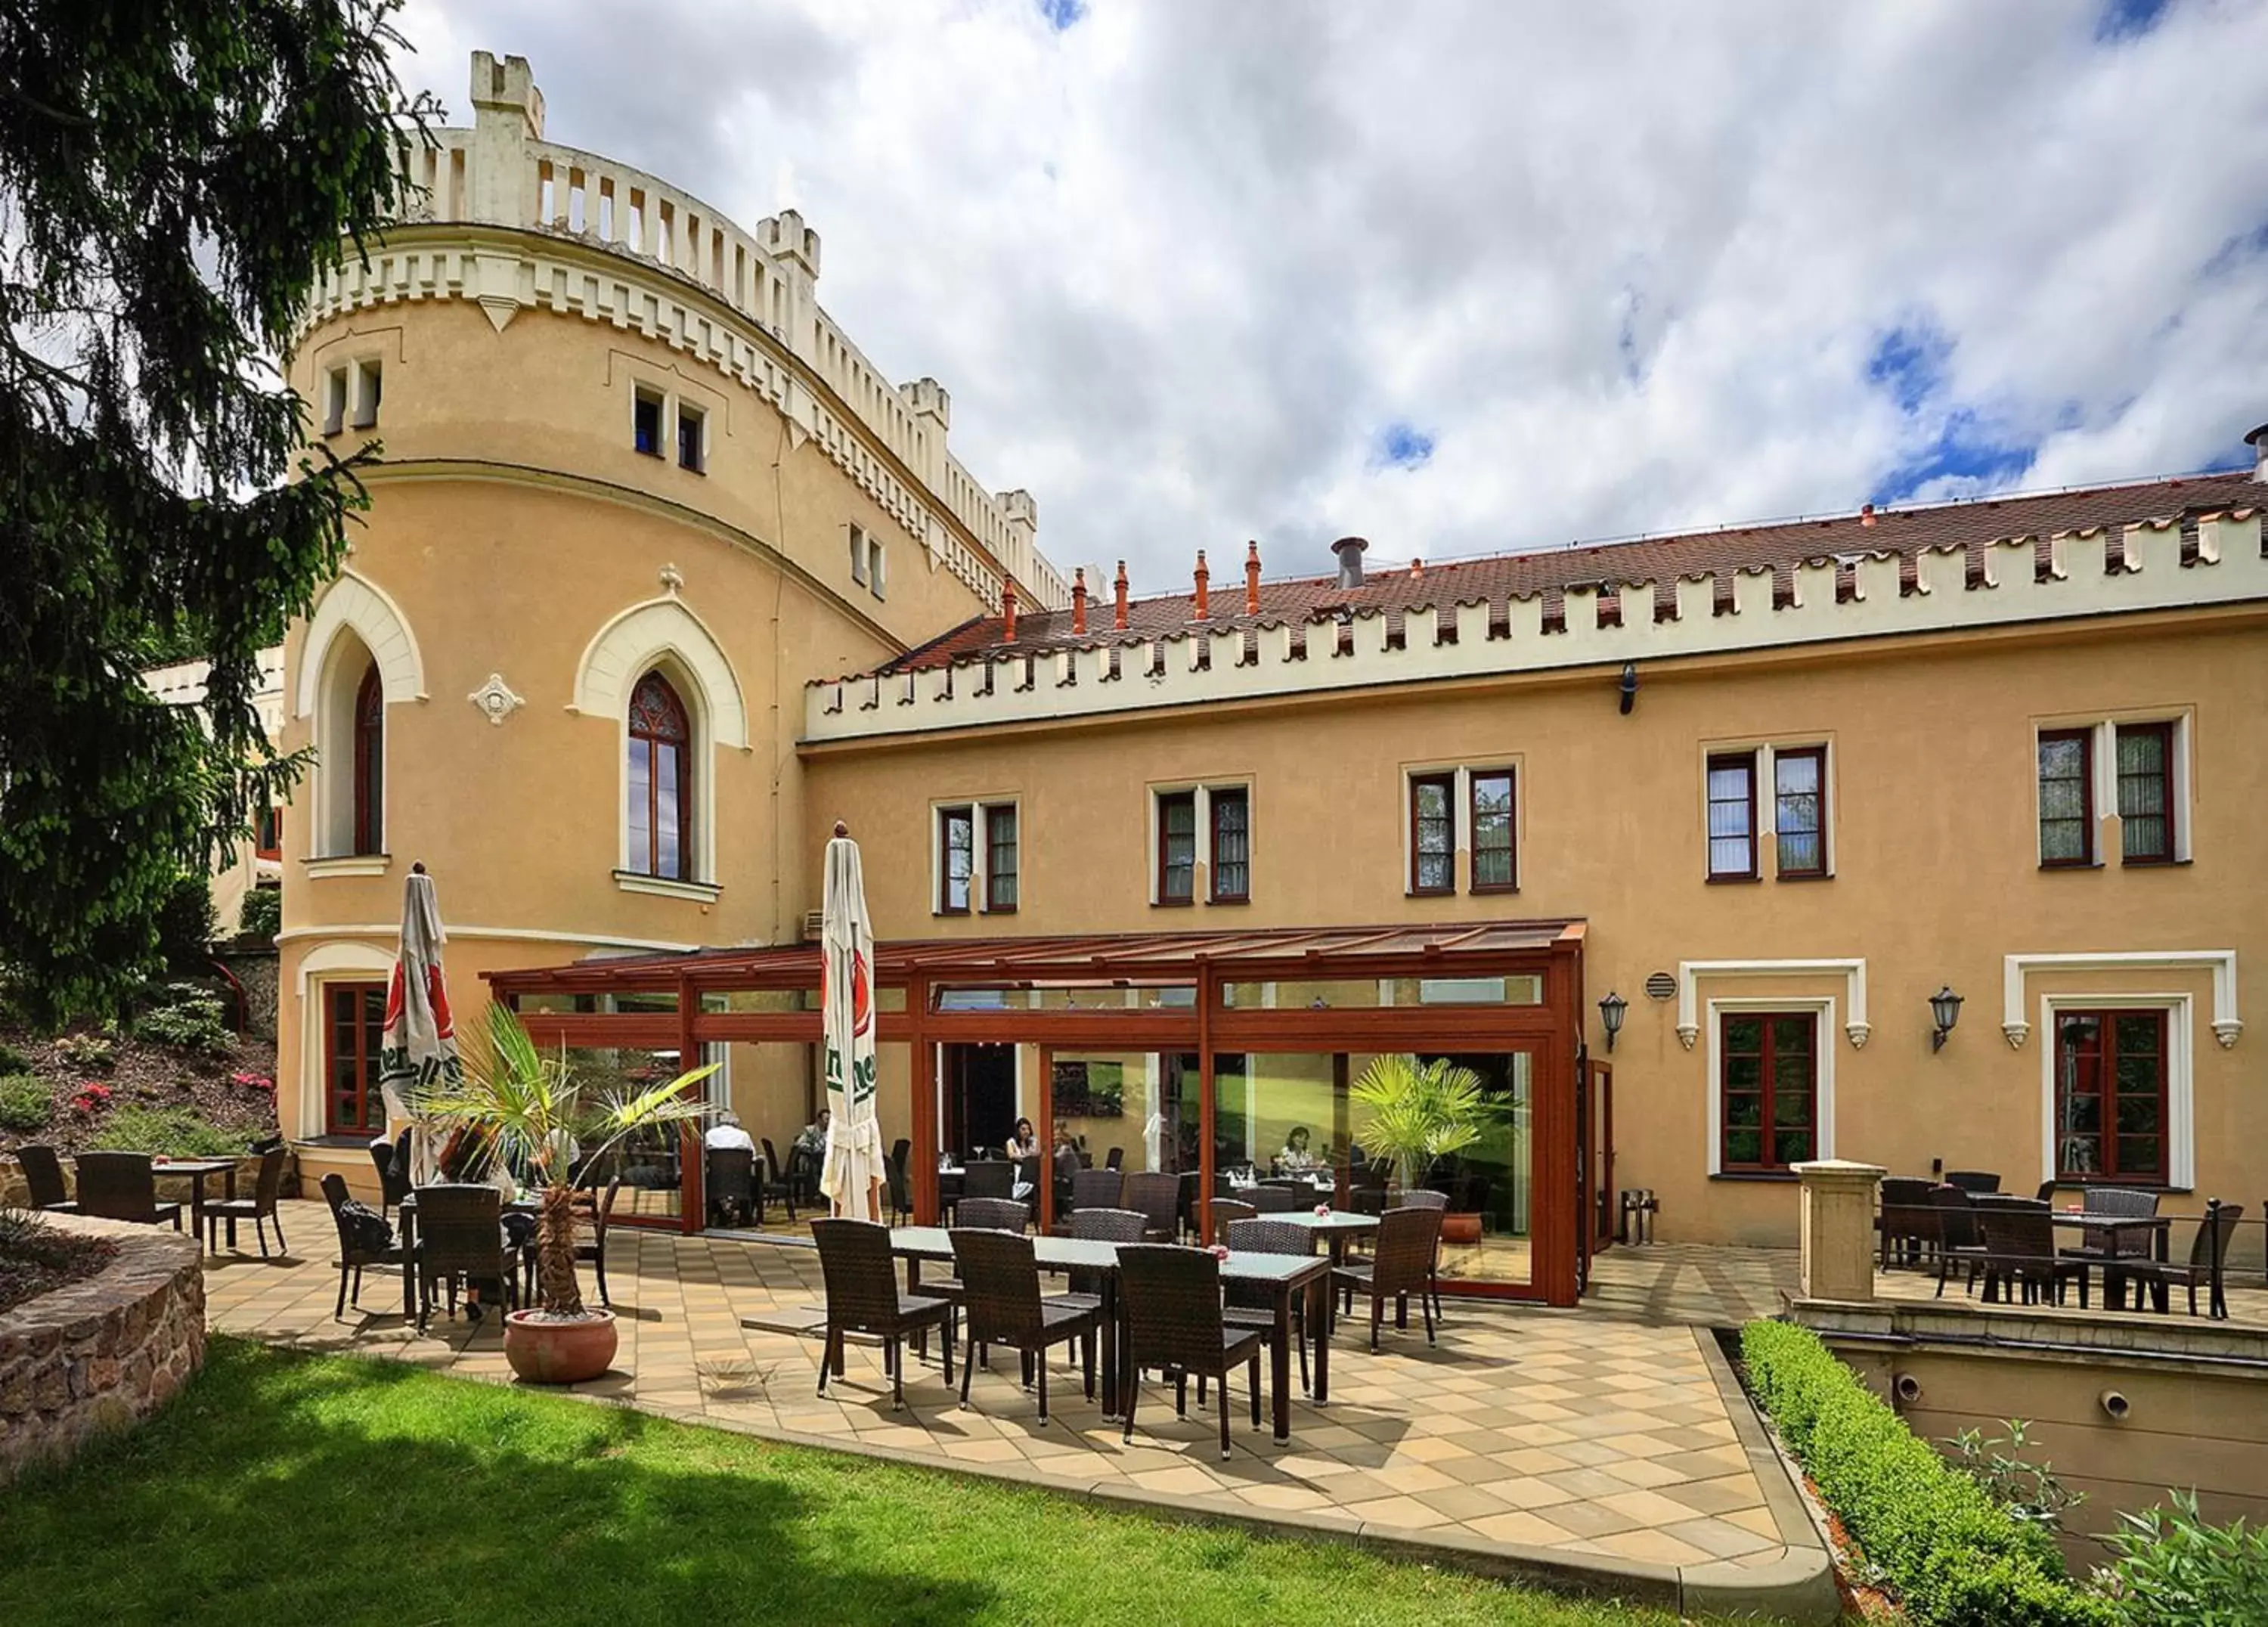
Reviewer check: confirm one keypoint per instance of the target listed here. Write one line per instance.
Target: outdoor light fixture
(1610, 1013)
(1630, 698)
(1945, 1011)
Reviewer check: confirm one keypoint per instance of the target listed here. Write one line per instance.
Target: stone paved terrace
(1610, 1439)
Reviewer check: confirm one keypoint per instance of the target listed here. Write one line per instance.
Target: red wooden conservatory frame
(1560, 1239)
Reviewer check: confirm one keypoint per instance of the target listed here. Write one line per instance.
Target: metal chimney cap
(1350, 550)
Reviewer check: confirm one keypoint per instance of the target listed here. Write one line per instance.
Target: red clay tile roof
(1779, 547)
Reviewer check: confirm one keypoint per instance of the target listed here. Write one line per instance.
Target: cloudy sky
(1469, 277)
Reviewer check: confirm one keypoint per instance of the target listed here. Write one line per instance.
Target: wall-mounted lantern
(1610, 1013)
(1944, 1011)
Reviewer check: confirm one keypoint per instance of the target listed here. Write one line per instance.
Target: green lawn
(283, 1487)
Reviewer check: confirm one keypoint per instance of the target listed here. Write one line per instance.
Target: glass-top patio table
(1282, 1275)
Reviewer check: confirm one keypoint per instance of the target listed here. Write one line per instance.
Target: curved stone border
(101, 1355)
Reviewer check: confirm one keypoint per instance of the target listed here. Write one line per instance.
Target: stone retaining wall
(101, 1355)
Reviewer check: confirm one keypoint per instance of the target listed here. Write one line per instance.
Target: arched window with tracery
(661, 782)
(369, 764)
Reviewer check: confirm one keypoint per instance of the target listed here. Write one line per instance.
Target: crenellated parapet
(2170, 564)
(664, 261)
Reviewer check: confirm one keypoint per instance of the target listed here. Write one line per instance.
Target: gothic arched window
(661, 782)
(369, 764)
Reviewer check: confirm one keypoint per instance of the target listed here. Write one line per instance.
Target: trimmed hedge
(1953, 1557)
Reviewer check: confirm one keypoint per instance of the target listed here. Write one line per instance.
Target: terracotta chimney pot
(1416, 569)
(1252, 579)
(1118, 620)
(1204, 598)
(1866, 515)
(1079, 600)
(1007, 609)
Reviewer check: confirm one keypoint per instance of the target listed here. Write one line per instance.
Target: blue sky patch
(1060, 14)
(1909, 363)
(1401, 445)
(2121, 20)
(1965, 450)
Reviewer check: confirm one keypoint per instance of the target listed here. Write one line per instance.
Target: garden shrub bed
(36, 1258)
(81, 1090)
(1952, 1556)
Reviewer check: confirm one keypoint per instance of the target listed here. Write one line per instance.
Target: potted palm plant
(533, 1112)
(1418, 1112)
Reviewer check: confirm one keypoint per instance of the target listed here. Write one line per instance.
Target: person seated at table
(726, 1135)
(1295, 1156)
(1067, 1161)
(1023, 1141)
(814, 1138)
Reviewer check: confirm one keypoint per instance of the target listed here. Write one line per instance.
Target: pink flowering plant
(92, 1098)
(252, 1081)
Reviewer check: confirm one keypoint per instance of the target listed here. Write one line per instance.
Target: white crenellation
(1954, 589)
(502, 172)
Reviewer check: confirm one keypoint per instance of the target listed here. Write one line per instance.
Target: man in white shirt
(726, 1135)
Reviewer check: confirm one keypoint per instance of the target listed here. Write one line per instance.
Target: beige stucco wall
(1936, 879)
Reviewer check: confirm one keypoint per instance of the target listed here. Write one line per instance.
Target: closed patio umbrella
(419, 1047)
(852, 1175)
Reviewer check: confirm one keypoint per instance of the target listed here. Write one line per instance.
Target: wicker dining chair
(863, 1295)
(2208, 1255)
(1908, 1222)
(1114, 1158)
(1958, 1235)
(461, 1238)
(1102, 1226)
(1973, 1180)
(994, 1214)
(729, 1174)
(1171, 1297)
(43, 1173)
(1001, 1304)
(1096, 1189)
(2020, 1242)
(355, 1251)
(391, 1160)
(1402, 1263)
(1157, 1193)
(1272, 1199)
(987, 1177)
(259, 1208)
(1426, 1198)
(595, 1210)
(776, 1182)
(122, 1186)
(1226, 1213)
(1249, 1305)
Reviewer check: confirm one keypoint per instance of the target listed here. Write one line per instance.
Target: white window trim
(324, 964)
(980, 854)
(1852, 971)
(1460, 823)
(362, 411)
(346, 865)
(2181, 1075)
(1824, 1084)
(858, 557)
(666, 886)
(2103, 737)
(2221, 962)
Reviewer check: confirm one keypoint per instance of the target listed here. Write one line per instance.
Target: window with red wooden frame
(1177, 847)
(661, 782)
(1799, 812)
(1733, 816)
(2145, 793)
(354, 1023)
(1492, 826)
(268, 837)
(1229, 810)
(2066, 799)
(1432, 833)
(1000, 859)
(369, 764)
(2110, 1096)
(956, 858)
(1768, 1089)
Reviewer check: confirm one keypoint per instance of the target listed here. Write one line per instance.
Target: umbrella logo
(862, 1001)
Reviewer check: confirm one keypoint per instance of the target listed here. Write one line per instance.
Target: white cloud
(1183, 265)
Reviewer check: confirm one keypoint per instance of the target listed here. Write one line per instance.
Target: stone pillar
(1838, 1229)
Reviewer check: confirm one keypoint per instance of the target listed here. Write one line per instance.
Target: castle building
(1670, 842)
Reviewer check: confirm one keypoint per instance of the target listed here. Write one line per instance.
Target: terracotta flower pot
(1461, 1229)
(542, 1350)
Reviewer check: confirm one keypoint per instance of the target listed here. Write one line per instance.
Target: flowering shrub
(92, 1098)
(252, 1081)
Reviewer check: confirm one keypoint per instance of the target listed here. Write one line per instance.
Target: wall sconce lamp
(1944, 1011)
(1610, 1013)
(1629, 687)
